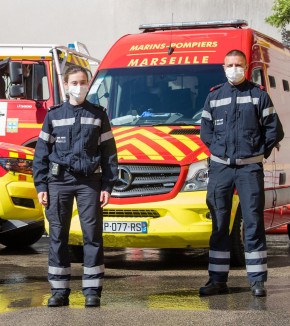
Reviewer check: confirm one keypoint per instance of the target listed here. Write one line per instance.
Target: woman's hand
(43, 198)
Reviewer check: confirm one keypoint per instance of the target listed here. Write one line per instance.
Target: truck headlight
(197, 177)
(16, 165)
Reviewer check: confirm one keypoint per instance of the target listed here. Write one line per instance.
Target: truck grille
(145, 180)
(129, 213)
(185, 132)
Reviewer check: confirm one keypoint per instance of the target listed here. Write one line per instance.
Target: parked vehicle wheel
(288, 230)
(21, 237)
(237, 241)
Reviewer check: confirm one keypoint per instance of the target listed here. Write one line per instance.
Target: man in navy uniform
(240, 127)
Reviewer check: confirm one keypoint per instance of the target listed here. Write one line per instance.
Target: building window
(272, 81)
(285, 85)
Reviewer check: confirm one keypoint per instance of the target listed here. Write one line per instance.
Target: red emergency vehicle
(154, 85)
(31, 82)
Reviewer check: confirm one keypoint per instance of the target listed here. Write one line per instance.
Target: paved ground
(144, 287)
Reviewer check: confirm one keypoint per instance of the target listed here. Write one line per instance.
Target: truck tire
(21, 238)
(237, 241)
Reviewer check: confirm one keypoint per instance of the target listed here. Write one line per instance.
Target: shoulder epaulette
(54, 107)
(215, 87)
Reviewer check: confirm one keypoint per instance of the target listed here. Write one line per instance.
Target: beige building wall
(99, 23)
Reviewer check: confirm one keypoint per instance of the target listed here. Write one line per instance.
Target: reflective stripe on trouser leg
(256, 264)
(59, 279)
(219, 200)
(93, 280)
(219, 265)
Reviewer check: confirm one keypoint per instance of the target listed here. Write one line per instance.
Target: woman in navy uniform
(75, 158)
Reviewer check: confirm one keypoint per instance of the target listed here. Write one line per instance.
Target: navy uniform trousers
(248, 180)
(62, 191)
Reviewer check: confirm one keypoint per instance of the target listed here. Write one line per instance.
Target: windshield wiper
(175, 124)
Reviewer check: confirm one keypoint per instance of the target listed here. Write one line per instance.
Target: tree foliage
(281, 15)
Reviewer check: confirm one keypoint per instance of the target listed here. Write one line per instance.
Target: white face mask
(235, 74)
(78, 92)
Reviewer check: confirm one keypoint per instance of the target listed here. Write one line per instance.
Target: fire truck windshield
(155, 95)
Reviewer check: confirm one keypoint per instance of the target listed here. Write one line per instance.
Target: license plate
(125, 227)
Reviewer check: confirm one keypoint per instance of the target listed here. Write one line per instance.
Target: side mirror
(16, 91)
(15, 72)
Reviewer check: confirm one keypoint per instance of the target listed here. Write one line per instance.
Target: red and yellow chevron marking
(16, 151)
(156, 144)
(71, 58)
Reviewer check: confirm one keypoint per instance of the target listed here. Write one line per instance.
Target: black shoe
(92, 301)
(58, 300)
(213, 288)
(258, 289)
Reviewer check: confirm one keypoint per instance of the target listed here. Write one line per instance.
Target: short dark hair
(73, 69)
(238, 53)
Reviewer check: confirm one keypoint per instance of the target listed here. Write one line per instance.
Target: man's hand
(43, 198)
(104, 198)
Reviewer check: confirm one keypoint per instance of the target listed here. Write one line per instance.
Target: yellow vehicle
(21, 216)
(153, 85)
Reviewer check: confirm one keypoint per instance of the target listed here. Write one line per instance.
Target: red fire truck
(30, 82)
(153, 85)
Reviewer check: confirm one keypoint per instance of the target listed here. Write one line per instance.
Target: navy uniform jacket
(240, 122)
(78, 138)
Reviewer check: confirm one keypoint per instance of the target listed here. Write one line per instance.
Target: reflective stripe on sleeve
(94, 270)
(218, 268)
(63, 122)
(106, 136)
(217, 103)
(91, 121)
(268, 111)
(206, 114)
(59, 284)
(93, 283)
(256, 255)
(59, 270)
(46, 137)
(256, 268)
(219, 254)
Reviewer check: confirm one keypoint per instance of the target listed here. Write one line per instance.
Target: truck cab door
(257, 76)
(276, 167)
